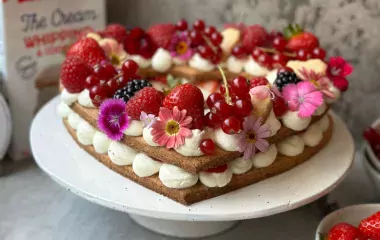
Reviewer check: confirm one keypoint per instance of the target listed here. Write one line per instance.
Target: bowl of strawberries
(372, 144)
(357, 222)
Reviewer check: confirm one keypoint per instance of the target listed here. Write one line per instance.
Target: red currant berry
(256, 53)
(122, 81)
(205, 51)
(199, 25)
(129, 68)
(217, 56)
(231, 125)
(242, 108)
(285, 69)
(209, 31)
(181, 25)
(303, 55)
(319, 53)
(212, 98)
(279, 106)
(91, 81)
(98, 94)
(238, 52)
(279, 60)
(279, 43)
(113, 86)
(212, 120)
(196, 38)
(222, 108)
(219, 169)
(104, 70)
(207, 146)
(239, 86)
(258, 81)
(198, 123)
(216, 38)
(265, 60)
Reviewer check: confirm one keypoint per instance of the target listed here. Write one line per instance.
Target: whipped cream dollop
(320, 110)
(274, 123)
(312, 136)
(265, 159)
(101, 142)
(85, 133)
(240, 165)
(74, 119)
(63, 110)
(121, 154)
(69, 98)
(227, 142)
(85, 100)
(145, 166)
(148, 137)
(161, 60)
(291, 120)
(135, 128)
(215, 179)
(324, 123)
(191, 146)
(271, 76)
(336, 93)
(174, 177)
(255, 69)
(140, 60)
(235, 64)
(201, 64)
(291, 146)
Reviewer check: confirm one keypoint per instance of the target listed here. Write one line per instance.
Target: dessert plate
(60, 157)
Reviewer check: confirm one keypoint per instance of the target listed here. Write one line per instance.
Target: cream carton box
(33, 36)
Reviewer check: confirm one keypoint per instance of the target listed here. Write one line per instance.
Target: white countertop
(32, 206)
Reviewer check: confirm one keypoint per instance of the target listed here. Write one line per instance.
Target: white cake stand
(60, 157)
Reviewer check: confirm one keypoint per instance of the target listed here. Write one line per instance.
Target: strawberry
(88, 50)
(162, 34)
(370, 227)
(74, 72)
(258, 81)
(253, 36)
(115, 31)
(209, 86)
(298, 39)
(147, 99)
(344, 231)
(279, 106)
(190, 98)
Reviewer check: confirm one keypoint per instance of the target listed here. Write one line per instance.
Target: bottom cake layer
(200, 192)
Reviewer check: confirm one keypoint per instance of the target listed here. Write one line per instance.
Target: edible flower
(147, 119)
(113, 118)
(319, 80)
(171, 128)
(303, 97)
(253, 136)
(114, 51)
(337, 70)
(180, 47)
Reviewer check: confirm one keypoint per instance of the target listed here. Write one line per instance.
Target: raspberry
(279, 106)
(74, 72)
(147, 99)
(253, 36)
(88, 50)
(162, 34)
(115, 31)
(258, 81)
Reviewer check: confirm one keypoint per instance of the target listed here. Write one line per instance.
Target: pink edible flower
(113, 118)
(302, 97)
(114, 51)
(319, 80)
(337, 70)
(252, 137)
(171, 128)
(180, 47)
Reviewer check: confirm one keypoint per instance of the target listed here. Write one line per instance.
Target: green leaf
(288, 34)
(172, 81)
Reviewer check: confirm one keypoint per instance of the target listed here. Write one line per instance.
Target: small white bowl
(352, 215)
(372, 171)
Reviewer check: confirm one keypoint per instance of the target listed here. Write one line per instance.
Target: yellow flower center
(181, 48)
(250, 136)
(314, 82)
(115, 60)
(172, 128)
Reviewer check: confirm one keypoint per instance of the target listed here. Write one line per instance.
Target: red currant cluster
(205, 39)
(139, 42)
(229, 110)
(106, 80)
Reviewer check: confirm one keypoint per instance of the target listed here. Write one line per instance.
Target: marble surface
(345, 27)
(34, 207)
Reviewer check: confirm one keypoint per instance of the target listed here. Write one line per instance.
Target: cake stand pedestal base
(182, 229)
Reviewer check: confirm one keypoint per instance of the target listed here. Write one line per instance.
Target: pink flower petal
(186, 122)
(263, 128)
(315, 98)
(171, 142)
(293, 105)
(290, 92)
(242, 144)
(248, 123)
(262, 145)
(261, 92)
(165, 114)
(328, 93)
(185, 132)
(249, 151)
(264, 134)
(306, 110)
(176, 114)
(305, 88)
(257, 124)
(180, 140)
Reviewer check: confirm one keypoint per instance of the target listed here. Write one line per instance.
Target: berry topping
(298, 39)
(265, 60)
(104, 70)
(279, 106)
(146, 100)
(216, 38)
(253, 36)
(219, 169)
(238, 52)
(207, 146)
(98, 94)
(88, 50)
(91, 81)
(196, 38)
(161, 34)
(256, 53)
(303, 55)
(74, 72)
(242, 108)
(214, 97)
(210, 30)
(370, 227)
(181, 25)
(284, 78)
(212, 120)
(319, 53)
(344, 231)
(279, 60)
(231, 125)
(258, 81)
(222, 109)
(139, 42)
(284, 69)
(279, 43)
(115, 31)
(129, 68)
(188, 97)
(199, 25)
(132, 87)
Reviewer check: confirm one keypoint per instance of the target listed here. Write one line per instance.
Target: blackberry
(130, 89)
(284, 78)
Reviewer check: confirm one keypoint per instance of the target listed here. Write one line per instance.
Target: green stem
(227, 94)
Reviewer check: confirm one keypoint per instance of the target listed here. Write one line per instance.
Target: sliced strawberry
(219, 169)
